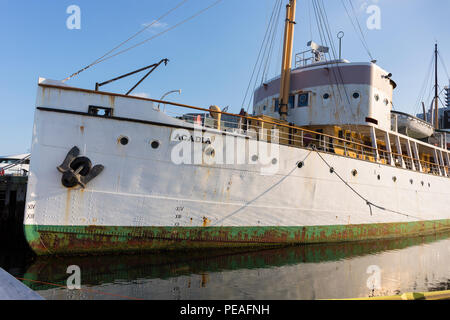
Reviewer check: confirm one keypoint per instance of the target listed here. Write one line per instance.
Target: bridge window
(291, 102)
(303, 100)
(276, 103)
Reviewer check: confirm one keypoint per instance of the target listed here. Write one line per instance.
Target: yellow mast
(287, 58)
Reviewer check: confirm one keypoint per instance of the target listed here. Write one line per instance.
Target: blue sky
(211, 57)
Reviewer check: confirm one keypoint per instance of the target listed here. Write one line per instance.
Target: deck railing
(304, 138)
(299, 137)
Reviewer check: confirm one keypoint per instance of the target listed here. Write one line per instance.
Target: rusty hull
(69, 240)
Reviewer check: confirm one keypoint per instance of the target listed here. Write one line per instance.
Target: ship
(320, 159)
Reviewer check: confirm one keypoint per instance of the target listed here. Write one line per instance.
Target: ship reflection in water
(304, 272)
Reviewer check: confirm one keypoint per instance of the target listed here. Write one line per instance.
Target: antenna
(340, 35)
(436, 94)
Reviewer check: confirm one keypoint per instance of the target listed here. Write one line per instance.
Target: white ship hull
(143, 200)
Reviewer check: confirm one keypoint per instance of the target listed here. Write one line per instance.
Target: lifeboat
(412, 126)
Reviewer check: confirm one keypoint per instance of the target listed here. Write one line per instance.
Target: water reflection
(305, 272)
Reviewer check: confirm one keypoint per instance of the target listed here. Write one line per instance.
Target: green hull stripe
(45, 240)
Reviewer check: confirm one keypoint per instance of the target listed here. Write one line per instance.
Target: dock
(12, 207)
(13, 289)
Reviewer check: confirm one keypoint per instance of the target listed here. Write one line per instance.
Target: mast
(436, 95)
(287, 58)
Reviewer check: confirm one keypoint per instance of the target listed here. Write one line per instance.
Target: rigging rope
(15, 164)
(443, 64)
(361, 33)
(425, 85)
(325, 33)
(272, 46)
(260, 58)
(108, 56)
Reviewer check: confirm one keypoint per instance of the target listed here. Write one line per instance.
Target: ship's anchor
(78, 170)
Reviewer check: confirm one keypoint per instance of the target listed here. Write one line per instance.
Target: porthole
(331, 170)
(210, 152)
(429, 185)
(386, 102)
(155, 144)
(423, 183)
(377, 97)
(300, 164)
(326, 96)
(378, 177)
(354, 172)
(411, 181)
(255, 158)
(394, 179)
(123, 140)
(274, 161)
(356, 95)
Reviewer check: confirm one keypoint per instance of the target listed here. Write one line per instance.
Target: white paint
(143, 183)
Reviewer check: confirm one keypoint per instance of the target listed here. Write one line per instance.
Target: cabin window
(277, 105)
(291, 102)
(356, 95)
(326, 96)
(100, 111)
(264, 108)
(303, 100)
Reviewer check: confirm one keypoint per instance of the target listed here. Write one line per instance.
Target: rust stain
(82, 129)
(67, 212)
(205, 279)
(206, 222)
(112, 101)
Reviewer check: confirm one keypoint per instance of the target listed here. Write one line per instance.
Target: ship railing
(294, 136)
(302, 59)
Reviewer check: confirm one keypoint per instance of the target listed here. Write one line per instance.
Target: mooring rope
(368, 202)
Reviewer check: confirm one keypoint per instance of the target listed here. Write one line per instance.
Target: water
(304, 272)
